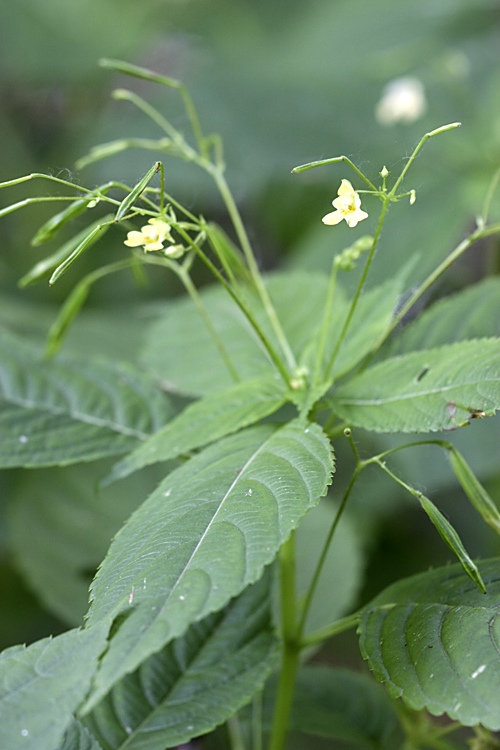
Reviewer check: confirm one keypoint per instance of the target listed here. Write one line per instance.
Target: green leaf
(42, 685)
(345, 705)
(165, 570)
(94, 234)
(78, 737)
(342, 572)
(48, 264)
(199, 368)
(69, 410)
(228, 254)
(134, 194)
(196, 682)
(474, 490)
(371, 318)
(437, 389)
(434, 640)
(207, 420)
(53, 225)
(59, 526)
(299, 299)
(472, 313)
(451, 538)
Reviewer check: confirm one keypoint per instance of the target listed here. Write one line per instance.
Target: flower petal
(356, 216)
(345, 189)
(158, 245)
(160, 226)
(335, 217)
(134, 239)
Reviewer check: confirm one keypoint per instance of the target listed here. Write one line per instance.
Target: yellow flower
(348, 206)
(151, 237)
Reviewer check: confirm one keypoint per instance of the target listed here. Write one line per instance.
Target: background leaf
(59, 526)
(473, 313)
(299, 299)
(433, 639)
(343, 569)
(345, 705)
(64, 411)
(204, 535)
(42, 684)
(207, 420)
(424, 391)
(196, 682)
(78, 737)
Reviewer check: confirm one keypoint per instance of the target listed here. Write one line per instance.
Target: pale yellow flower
(151, 237)
(348, 206)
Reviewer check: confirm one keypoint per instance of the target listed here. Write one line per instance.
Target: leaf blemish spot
(422, 374)
(478, 671)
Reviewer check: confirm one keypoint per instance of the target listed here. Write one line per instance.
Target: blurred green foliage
(284, 82)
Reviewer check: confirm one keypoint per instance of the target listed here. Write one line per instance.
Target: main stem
(291, 648)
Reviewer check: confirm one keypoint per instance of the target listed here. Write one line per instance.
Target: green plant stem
(241, 302)
(28, 201)
(324, 552)
(489, 196)
(241, 233)
(36, 175)
(326, 320)
(185, 278)
(334, 160)
(340, 626)
(447, 262)
(257, 722)
(193, 292)
(442, 129)
(359, 288)
(291, 648)
(235, 736)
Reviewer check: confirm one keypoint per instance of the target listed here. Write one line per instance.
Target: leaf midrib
(411, 396)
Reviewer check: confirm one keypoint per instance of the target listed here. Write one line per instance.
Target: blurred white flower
(403, 100)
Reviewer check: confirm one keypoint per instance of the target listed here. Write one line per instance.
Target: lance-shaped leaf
(59, 536)
(472, 313)
(68, 410)
(207, 420)
(42, 685)
(451, 538)
(430, 390)
(90, 239)
(434, 640)
(343, 705)
(474, 490)
(48, 264)
(195, 683)
(134, 194)
(299, 299)
(203, 536)
(53, 225)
